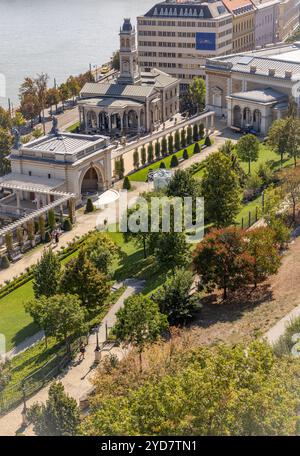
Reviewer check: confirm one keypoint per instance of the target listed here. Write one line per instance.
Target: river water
(58, 37)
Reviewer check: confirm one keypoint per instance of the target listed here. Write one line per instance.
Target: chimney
(288, 74)
(252, 69)
(271, 71)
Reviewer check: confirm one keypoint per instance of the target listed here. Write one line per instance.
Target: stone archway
(92, 181)
(103, 121)
(91, 118)
(237, 116)
(132, 120)
(247, 117)
(257, 120)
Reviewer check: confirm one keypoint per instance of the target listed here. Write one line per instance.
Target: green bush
(195, 133)
(67, 226)
(5, 262)
(285, 343)
(162, 165)
(207, 141)
(126, 183)
(185, 155)
(196, 148)
(174, 161)
(89, 205)
(201, 131)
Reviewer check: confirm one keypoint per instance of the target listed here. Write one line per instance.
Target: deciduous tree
(221, 190)
(222, 260)
(46, 274)
(60, 415)
(248, 149)
(139, 323)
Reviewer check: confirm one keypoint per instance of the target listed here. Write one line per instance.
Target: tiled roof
(63, 143)
(267, 95)
(115, 90)
(237, 7)
(280, 58)
(196, 10)
(110, 102)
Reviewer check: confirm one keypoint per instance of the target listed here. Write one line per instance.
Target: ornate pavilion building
(132, 104)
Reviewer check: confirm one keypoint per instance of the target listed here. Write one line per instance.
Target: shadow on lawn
(24, 333)
(135, 265)
(235, 307)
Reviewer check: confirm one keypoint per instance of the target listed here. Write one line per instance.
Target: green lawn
(243, 216)
(141, 174)
(267, 155)
(73, 128)
(16, 324)
(133, 264)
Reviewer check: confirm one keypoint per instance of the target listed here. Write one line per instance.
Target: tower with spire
(129, 70)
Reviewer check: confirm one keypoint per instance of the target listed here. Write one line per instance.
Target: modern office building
(252, 89)
(177, 37)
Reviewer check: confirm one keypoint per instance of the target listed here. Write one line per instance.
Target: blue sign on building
(205, 41)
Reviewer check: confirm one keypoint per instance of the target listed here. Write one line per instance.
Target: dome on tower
(127, 27)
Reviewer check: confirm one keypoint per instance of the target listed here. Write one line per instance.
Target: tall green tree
(157, 149)
(221, 190)
(194, 99)
(6, 142)
(143, 156)
(5, 119)
(175, 299)
(277, 137)
(139, 323)
(81, 277)
(61, 316)
(189, 135)
(177, 140)
(170, 144)
(136, 159)
(183, 138)
(247, 149)
(59, 416)
(183, 184)
(46, 274)
(164, 146)
(102, 251)
(150, 156)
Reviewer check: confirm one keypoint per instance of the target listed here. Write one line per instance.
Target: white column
(18, 199)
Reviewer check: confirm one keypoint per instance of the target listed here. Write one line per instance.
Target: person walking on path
(82, 351)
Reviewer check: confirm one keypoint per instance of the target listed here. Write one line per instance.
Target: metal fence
(12, 395)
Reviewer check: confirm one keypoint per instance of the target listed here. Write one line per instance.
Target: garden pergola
(59, 199)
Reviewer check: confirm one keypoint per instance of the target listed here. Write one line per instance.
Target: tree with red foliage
(223, 261)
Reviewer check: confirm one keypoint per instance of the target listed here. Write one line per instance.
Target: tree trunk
(144, 247)
(249, 167)
(294, 211)
(295, 160)
(141, 361)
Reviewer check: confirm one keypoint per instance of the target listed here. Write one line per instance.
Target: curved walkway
(77, 378)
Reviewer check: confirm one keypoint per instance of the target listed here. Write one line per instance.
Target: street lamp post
(24, 411)
(97, 349)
